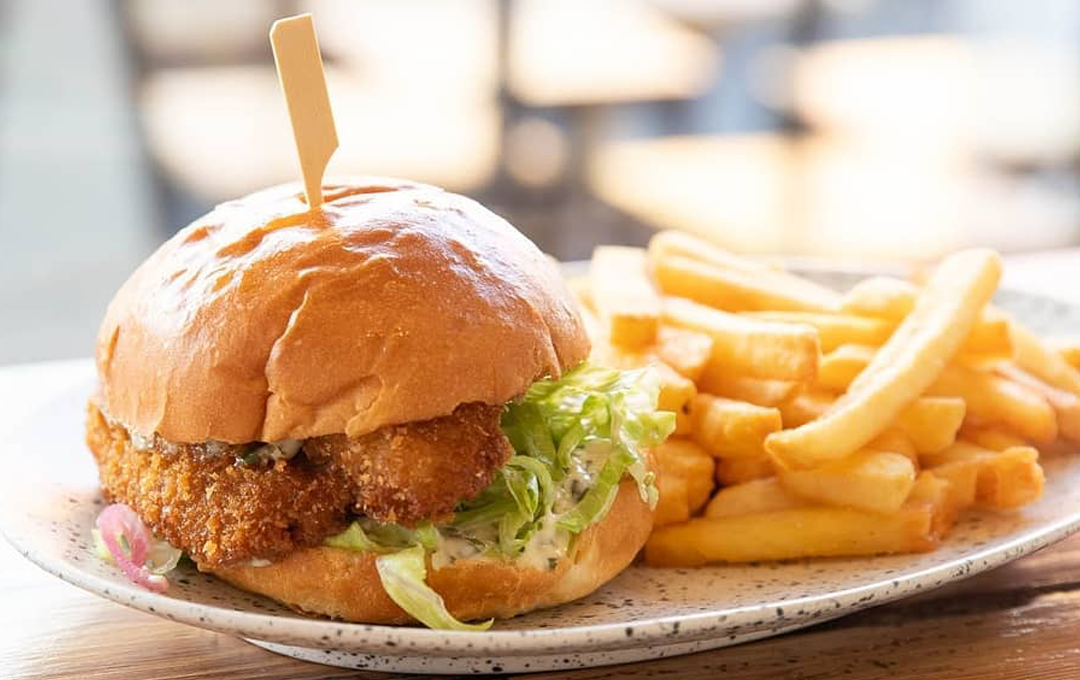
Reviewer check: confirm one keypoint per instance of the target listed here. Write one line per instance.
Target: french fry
(963, 477)
(790, 291)
(670, 242)
(878, 481)
(750, 347)
(1039, 359)
(931, 423)
(890, 298)
(732, 429)
(625, 301)
(835, 330)
(684, 459)
(1069, 349)
(992, 437)
(992, 399)
(937, 496)
(787, 534)
(885, 297)
(1006, 479)
(732, 471)
(592, 328)
(759, 495)
(807, 405)
(961, 450)
(684, 424)
(895, 441)
(675, 390)
(685, 351)
(718, 380)
(908, 363)
(928, 423)
(730, 289)
(605, 353)
(673, 504)
(1011, 479)
(839, 368)
(921, 406)
(842, 365)
(1065, 404)
(992, 337)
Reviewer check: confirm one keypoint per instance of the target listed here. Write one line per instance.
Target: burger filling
(574, 440)
(515, 482)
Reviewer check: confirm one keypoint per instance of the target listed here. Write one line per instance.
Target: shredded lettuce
(603, 408)
(574, 439)
(607, 405)
(403, 575)
(367, 535)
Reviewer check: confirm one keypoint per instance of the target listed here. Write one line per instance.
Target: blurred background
(867, 130)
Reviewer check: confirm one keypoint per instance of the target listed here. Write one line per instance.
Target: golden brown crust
(394, 303)
(214, 510)
(345, 585)
(200, 500)
(419, 471)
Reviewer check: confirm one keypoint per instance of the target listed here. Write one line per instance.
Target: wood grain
(1020, 621)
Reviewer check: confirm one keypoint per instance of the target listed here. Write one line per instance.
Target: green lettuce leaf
(403, 575)
(593, 403)
(574, 439)
(367, 535)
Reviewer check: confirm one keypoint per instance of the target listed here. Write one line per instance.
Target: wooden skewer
(300, 70)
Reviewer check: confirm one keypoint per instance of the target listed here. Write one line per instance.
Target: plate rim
(522, 642)
(687, 627)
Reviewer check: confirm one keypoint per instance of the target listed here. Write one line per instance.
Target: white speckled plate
(49, 497)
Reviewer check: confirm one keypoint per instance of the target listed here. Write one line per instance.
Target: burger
(380, 410)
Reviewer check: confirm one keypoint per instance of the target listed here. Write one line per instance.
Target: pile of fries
(818, 423)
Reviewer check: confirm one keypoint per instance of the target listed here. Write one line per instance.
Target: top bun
(395, 302)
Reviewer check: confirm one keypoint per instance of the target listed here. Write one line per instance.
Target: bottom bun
(345, 585)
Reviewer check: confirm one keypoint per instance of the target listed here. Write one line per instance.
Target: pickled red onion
(116, 521)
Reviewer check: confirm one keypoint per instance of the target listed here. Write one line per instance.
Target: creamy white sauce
(549, 543)
(279, 450)
(451, 549)
(139, 441)
(546, 546)
(585, 465)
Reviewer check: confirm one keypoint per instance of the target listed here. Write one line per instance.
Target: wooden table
(1019, 621)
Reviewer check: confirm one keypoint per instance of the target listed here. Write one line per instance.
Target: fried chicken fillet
(200, 497)
(403, 473)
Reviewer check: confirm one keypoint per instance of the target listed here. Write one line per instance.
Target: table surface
(1019, 621)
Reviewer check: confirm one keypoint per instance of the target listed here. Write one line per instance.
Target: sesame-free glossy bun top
(394, 302)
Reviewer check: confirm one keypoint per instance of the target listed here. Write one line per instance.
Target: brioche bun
(345, 585)
(396, 302)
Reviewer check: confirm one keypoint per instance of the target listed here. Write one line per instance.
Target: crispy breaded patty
(408, 473)
(216, 511)
(197, 496)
